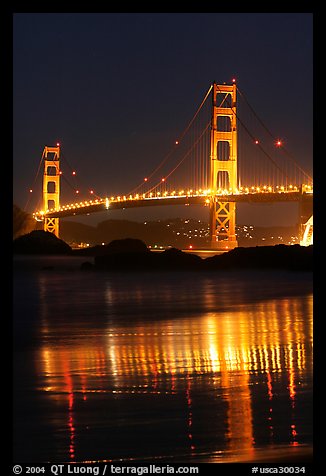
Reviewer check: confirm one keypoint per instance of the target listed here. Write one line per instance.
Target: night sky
(116, 89)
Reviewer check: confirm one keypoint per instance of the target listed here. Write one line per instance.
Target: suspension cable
(35, 179)
(271, 135)
(183, 158)
(168, 155)
(253, 138)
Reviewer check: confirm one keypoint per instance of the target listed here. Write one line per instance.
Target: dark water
(171, 367)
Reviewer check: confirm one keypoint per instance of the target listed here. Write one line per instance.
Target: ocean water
(160, 367)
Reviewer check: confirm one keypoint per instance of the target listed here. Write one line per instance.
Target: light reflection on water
(180, 367)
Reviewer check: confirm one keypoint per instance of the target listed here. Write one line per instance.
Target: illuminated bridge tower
(223, 165)
(51, 186)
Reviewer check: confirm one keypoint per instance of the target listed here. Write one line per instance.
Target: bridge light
(91, 191)
(278, 143)
(73, 172)
(30, 190)
(176, 142)
(256, 142)
(58, 144)
(145, 179)
(233, 80)
(77, 191)
(163, 179)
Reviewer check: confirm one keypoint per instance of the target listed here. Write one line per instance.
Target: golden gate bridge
(226, 155)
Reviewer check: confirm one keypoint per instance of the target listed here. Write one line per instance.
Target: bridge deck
(87, 207)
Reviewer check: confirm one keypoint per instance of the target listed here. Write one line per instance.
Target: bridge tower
(223, 165)
(51, 186)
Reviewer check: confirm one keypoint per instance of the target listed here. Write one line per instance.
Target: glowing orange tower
(51, 186)
(223, 166)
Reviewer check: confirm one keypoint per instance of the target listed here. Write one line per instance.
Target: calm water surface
(171, 367)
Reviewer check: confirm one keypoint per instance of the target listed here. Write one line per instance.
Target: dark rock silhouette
(173, 258)
(291, 257)
(128, 253)
(126, 245)
(134, 255)
(87, 266)
(40, 242)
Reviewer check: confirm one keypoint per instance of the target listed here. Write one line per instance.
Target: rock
(86, 266)
(291, 257)
(40, 242)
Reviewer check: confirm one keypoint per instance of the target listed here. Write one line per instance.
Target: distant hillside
(175, 232)
(151, 232)
(23, 222)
